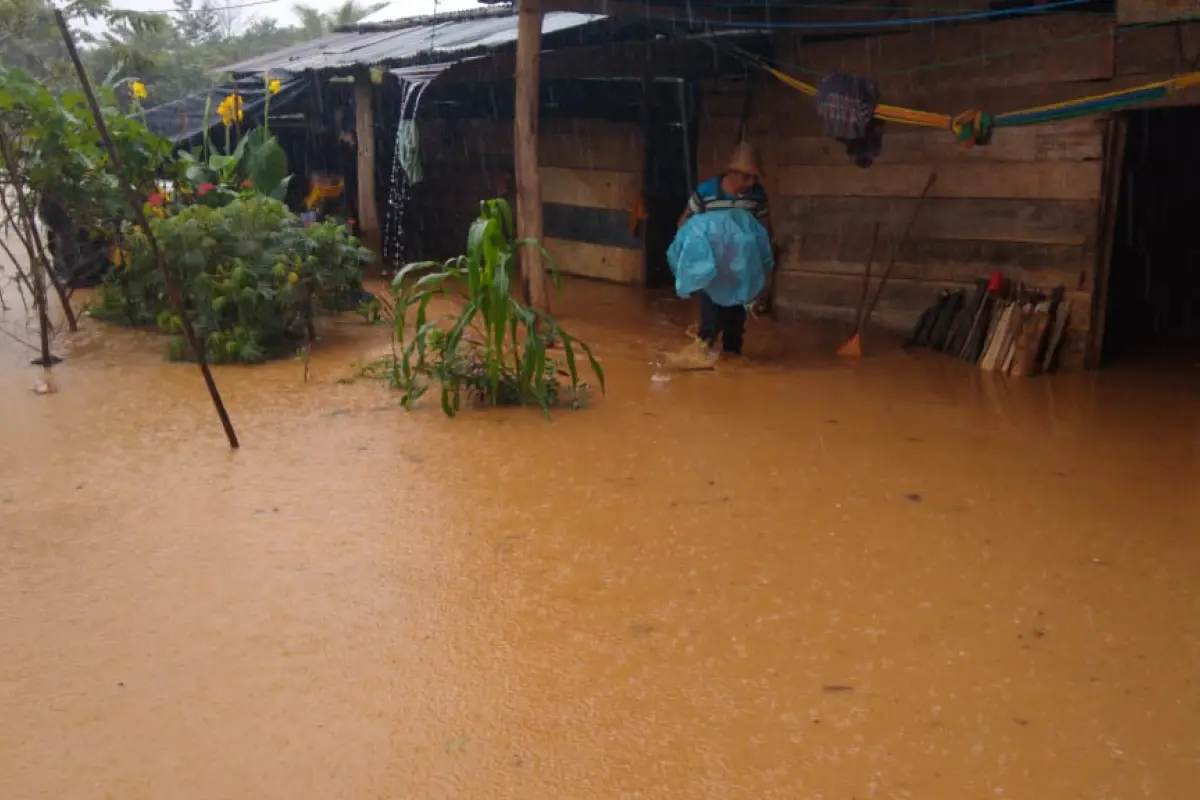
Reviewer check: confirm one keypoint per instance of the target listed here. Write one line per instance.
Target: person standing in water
(738, 187)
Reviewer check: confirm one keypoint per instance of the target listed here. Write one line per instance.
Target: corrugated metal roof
(448, 40)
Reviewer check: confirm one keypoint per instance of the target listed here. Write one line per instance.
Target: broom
(853, 346)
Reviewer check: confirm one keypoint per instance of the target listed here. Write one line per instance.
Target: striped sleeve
(763, 207)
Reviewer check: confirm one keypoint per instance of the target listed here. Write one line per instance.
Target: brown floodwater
(789, 578)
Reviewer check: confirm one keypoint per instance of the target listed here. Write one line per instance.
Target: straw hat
(745, 159)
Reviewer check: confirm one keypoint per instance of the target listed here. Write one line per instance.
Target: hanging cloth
(846, 105)
(408, 149)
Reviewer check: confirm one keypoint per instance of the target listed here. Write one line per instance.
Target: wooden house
(1069, 203)
(620, 105)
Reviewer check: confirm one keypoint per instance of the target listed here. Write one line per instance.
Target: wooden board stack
(1017, 333)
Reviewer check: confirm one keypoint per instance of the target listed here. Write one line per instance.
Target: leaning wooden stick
(135, 204)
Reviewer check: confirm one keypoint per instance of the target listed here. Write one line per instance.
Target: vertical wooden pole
(364, 129)
(525, 143)
(1115, 137)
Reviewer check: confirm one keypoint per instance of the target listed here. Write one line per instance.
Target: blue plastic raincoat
(725, 253)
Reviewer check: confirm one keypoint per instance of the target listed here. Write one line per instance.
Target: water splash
(400, 186)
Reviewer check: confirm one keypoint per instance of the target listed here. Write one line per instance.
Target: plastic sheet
(725, 253)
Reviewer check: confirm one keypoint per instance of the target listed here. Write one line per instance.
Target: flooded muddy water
(789, 578)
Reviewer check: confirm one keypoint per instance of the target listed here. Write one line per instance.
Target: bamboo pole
(135, 204)
(529, 187)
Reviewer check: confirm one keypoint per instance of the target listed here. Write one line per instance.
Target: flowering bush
(253, 275)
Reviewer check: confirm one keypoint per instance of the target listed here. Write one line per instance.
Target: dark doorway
(671, 138)
(1153, 293)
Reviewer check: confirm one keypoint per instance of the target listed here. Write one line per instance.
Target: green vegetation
(494, 349)
(252, 274)
(173, 54)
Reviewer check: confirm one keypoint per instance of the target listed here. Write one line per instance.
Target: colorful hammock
(971, 126)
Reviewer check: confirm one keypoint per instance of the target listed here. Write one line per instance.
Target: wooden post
(1115, 137)
(525, 143)
(364, 130)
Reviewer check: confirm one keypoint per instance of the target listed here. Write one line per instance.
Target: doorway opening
(1152, 298)
(671, 139)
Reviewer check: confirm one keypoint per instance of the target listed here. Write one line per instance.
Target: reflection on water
(789, 578)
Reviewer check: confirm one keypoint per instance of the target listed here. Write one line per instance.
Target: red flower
(156, 200)
(246, 184)
(351, 222)
(204, 189)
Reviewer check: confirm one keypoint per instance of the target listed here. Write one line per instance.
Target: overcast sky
(281, 10)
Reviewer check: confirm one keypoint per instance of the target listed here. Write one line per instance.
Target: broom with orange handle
(852, 347)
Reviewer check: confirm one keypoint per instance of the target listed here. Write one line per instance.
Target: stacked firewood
(1000, 327)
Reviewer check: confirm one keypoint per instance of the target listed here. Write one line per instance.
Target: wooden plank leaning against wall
(592, 175)
(1027, 204)
(590, 171)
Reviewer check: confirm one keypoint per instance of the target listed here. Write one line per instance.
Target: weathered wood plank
(902, 301)
(1130, 12)
(595, 261)
(1168, 49)
(1039, 180)
(602, 226)
(1036, 265)
(1002, 220)
(941, 273)
(593, 188)
(1073, 140)
(1026, 50)
(906, 299)
(826, 247)
(592, 145)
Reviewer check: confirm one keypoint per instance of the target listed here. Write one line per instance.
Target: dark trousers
(726, 322)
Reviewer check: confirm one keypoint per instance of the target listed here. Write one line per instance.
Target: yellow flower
(273, 86)
(138, 89)
(230, 110)
(293, 277)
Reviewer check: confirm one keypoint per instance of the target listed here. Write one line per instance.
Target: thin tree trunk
(37, 255)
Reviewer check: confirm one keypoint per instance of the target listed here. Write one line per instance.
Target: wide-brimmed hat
(745, 159)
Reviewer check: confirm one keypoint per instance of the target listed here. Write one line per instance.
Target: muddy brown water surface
(790, 578)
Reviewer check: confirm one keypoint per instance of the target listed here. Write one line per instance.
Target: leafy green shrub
(253, 276)
(494, 349)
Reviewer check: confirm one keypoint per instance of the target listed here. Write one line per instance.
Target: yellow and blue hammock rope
(973, 124)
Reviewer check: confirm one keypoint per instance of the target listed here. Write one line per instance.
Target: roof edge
(424, 21)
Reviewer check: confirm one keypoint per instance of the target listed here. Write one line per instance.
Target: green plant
(64, 167)
(254, 277)
(494, 348)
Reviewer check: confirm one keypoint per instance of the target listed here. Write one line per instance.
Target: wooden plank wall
(593, 173)
(1027, 205)
(1136, 11)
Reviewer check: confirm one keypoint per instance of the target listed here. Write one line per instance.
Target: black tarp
(182, 121)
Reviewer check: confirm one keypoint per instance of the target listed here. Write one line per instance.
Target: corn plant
(494, 348)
